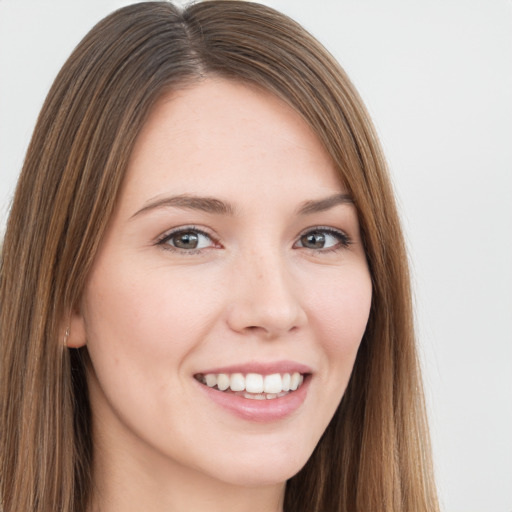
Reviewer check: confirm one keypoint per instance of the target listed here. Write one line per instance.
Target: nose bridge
(266, 299)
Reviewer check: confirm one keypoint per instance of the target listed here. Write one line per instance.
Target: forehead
(210, 136)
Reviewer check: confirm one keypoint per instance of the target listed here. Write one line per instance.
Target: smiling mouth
(253, 386)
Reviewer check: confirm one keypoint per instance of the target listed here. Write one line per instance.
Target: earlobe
(74, 330)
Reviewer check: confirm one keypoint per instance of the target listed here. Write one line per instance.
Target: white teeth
(211, 380)
(237, 382)
(294, 383)
(273, 383)
(286, 382)
(223, 381)
(254, 383)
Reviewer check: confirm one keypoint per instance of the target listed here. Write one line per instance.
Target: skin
(154, 315)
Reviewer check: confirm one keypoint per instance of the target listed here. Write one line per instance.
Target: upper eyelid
(322, 228)
(329, 229)
(180, 229)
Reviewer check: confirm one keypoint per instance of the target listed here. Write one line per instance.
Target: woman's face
(233, 259)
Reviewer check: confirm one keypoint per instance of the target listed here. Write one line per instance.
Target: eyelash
(162, 241)
(343, 239)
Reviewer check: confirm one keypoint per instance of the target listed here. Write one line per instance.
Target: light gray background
(436, 76)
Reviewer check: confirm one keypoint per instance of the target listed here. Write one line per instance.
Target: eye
(186, 239)
(323, 239)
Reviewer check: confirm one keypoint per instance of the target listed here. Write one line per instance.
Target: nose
(265, 299)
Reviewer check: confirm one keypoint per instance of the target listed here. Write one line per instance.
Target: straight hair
(375, 454)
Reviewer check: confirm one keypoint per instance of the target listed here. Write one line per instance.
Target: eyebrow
(321, 205)
(219, 207)
(190, 202)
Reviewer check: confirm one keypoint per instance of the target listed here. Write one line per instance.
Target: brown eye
(314, 240)
(325, 238)
(187, 239)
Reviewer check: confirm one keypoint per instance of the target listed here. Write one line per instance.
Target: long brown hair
(375, 454)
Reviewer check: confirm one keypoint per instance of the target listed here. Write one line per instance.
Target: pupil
(186, 241)
(314, 240)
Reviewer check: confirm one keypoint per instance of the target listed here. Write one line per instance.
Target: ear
(73, 330)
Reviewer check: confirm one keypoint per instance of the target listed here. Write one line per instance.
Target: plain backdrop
(436, 76)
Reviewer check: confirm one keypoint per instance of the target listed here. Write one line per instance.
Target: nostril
(266, 314)
(257, 330)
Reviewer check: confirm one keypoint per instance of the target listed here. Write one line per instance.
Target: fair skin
(267, 276)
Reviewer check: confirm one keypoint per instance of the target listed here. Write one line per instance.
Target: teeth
(223, 381)
(286, 382)
(211, 380)
(254, 385)
(273, 383)
(237, 382)
(294, 383)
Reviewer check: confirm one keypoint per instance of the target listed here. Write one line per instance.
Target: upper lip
(263, 368)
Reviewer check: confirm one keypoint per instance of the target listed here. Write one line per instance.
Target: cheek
(143, 318)
(141, 327)
(340, 311)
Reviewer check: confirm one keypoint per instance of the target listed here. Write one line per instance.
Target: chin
(262, 467)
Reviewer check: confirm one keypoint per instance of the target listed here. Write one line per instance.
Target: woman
(204, 292)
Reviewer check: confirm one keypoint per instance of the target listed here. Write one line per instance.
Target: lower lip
(262, 411)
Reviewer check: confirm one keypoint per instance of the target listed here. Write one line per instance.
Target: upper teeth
(254, 382)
